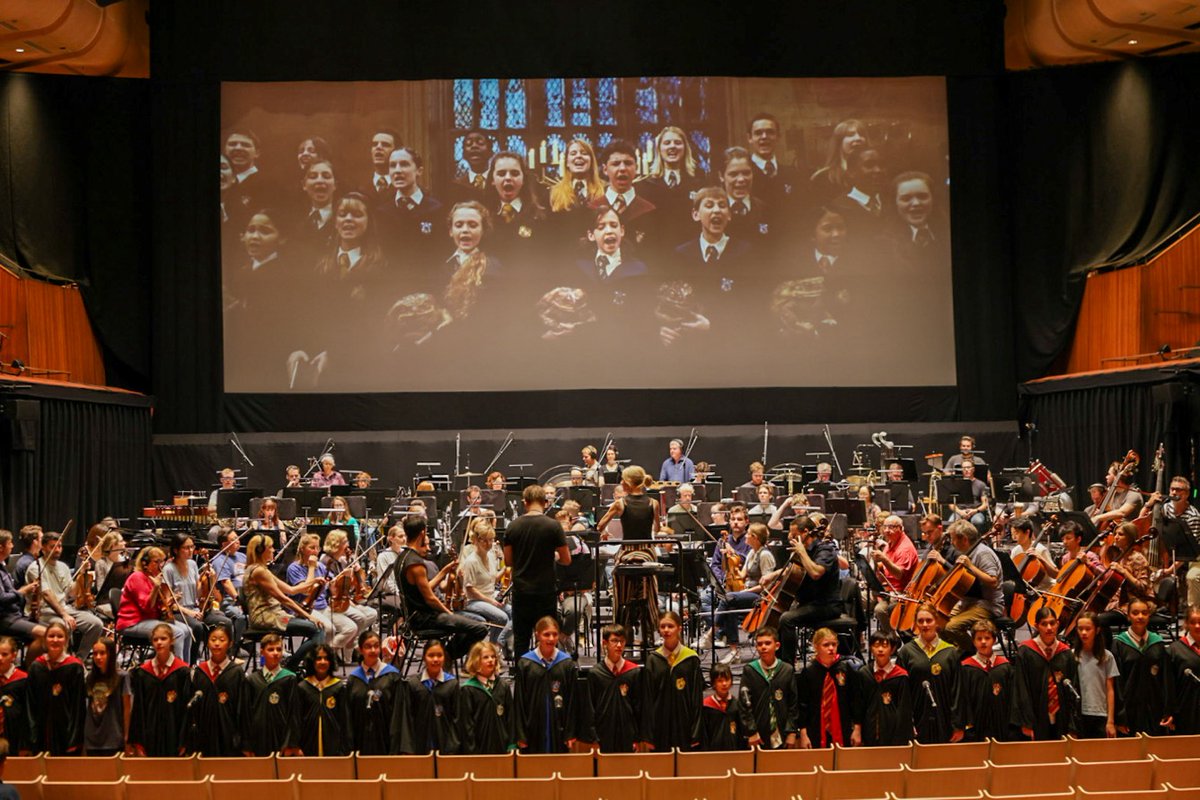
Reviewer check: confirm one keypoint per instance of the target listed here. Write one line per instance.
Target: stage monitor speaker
(21, 422)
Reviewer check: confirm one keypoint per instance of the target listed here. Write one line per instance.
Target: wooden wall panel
(48, 329)
(1109, 320)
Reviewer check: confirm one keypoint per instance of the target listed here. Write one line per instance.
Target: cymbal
(860, 469)
(783, 476)
(469, 475)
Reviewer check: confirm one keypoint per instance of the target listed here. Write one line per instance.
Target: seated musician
(823, 484)
(1125, 557)
(976, 508)
(937, 544)
(339, 557)
(363, 480)
(985, 599)
(792, 503)
(895, 474)
(1096, 493)
(495, 481)
(703, 472)
(1022, 531)
(1072, 539)
(966, 450)
(895, 564)
(1125, 503)
(228, 481)
(1179, 512)
(765, 493)
(867, 496)
(757, 472)
(328, 476)
(817, 598)
(592, 473)
(684, 504)
(183, 577)
(426, 611)
(111, 571)
(758, 562)
(292, 478)
(481, 568)
(736, 544)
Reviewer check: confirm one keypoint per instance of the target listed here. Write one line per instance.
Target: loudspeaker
(21, 422)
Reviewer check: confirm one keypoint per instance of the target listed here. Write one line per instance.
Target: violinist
(183, 579)
(31, 548)
(229, 565)
(340, 630)
(390, 592)
(985, 599)
(735, 545)
(895, 563)
(57, 589)
(817, 599)
(1124, 557)
(341, 560)
(758, 562)
(480, 570)
(142, 601)
(1022, 530)
(111, 571)
(12, 602)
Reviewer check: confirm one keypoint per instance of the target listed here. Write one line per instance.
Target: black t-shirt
(534, 538)
(412, 594)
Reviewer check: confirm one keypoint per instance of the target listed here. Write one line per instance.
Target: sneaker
(732, 657)
(706, 641)
(722, 642)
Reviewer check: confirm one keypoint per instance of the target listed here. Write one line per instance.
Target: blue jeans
(499, 623)
(728, 620)
(183, 634)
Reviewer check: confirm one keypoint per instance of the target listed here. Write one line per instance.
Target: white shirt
(720, 244)
(667, 174)
(417, 196)
(355, 255)
(861, 197)
(255, 263)
(628, 197)
(324, 213)
(515, 203)
(614, 261)
(241, 176)
(761, 163)
(818, 255)
(745, 201)
(915, 230)
(461, 256)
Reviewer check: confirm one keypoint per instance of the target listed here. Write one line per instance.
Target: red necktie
(880, 675)
(1051, 696)
(831, 723)
(619, 205)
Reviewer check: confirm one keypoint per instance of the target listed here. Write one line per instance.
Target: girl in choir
(371, 693)
(830, 180)
(162, 689)
(933, 668)
(14, 699)
(985, 688)
(108, 702)
(580, 182)
(320, 724)
(485, 704)
(1046, 677)
(829, 702)
(721, 720)
(426, 713)
(518, 215)
(546, 694)
(266, 701)
(474, 270)
(1185, 672)
(672, 691)
(614, 700)
(56, 696)
(214, 725)
(1145, 681)
(1097, 680)
(888, 718)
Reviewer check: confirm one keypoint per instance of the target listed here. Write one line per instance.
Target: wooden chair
(440, 788)
(695, 765)
(941, 756)
(1090, 750)
(613, 765)
(1177, 792)
(1023, 779)
(23, 769)
(360, 789)
(871, 757)
(325, 768)
(1081, 793)
(1114, 776)
(776, 784)
(946, 782)
(1165, 747)
(1183, 773)
(977, 796)
(792, 760)
(29, 790)
(858, 784)
(625, 787)
(484, 766)
(690, 788)
(255, 768)
(545, 765)
(513, 788)
(162, 770)
(283, 788)
(1068, 795)
(83, 769)
(84, 790)
(1050, 752)
(166, 790)
(396, 767)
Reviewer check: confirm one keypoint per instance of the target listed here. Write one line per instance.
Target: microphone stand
(508, 440)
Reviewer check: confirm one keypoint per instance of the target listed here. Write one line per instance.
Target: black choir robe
(985, 699)
(158, 719)
(14, 703)
(614, 707)
(485, 717)
(371, 727)
(425, 718)
(721, 724)
(266, 711)
(320, 722)
(1185, 701)
(934, 725)
(1145, 685)
(888, 716)
(672, 696)
(548, 702)
(759, 696)
(57, 705)
(810, 684)
(213, 728)
(1031, 690)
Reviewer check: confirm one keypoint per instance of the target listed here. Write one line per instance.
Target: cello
(958, 581)
(1104, 588)
(779, 597)
(925, 581)
(1033, 570)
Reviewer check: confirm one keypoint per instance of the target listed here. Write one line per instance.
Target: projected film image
(666, 232)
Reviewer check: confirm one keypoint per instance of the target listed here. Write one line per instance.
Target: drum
(1048, 482)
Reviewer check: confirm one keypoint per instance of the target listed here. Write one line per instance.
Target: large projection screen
(575, 233)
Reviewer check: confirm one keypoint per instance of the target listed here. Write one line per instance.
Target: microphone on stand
(1191, 675)
(929, 691)
(1067, 683)
(195, 698)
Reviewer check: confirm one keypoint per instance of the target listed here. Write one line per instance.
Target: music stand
(585, 496)
(340, 490)
(307, 498)
(954, 490)
(900, 492)
(1178, 540)
(496, 498)
(855, 511)
(376, 500)
(229, 499)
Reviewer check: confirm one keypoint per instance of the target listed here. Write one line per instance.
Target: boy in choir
(985, 688)
(320, 724)
(888, 719)
(57, 696)
(219, 680)
(1185, 672)
(485, 704)
(546, 694)
(829, 703)
(266, 700)
(371, 695)
(1045, 684)
(425, 719)
(673, 691)
(14, 702)
(1145, 684)
(710, 208)
(618, 162)
(720, 716)
(162, 690)
(615, 696)
(767, 696)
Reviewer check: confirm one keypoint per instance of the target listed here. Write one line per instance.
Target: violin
(732, 562)
(168, 603)
(341, 589)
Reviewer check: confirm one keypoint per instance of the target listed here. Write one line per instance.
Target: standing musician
(895, 564)
(817, 598)
(635, 599)
(57, 588)
(966, 450)
(426, 612)
(985, 599)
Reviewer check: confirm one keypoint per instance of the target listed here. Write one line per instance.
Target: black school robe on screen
(1185, 701)
(485, 717)
(213, 728)
(759, 697)
(266, 711)
(672, 695)
(1144, 687)
(548, 702)
(810, 685)
(888, 716)
(985, 699)
(14, 704)
(425, 719)
(57, 704)
(320, 722)
(721, 724)
(934, 724)
(614, 706)
(1031, 688)
(158, 719)
(371, 727)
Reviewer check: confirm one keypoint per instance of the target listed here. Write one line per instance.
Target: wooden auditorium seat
(360, 789)
(1023, 779)
(1162, 746)
(977, 796)
(694, 765)
(1067, 795)
(793, 760)
(1049, 752)
(945, 782)
(1176, 792)
(941, 756)
(19, 769)
(1137, 794)
(427, 788)
(623, 787)
(283, 788)
(1183, 773)
(160, 769)
(29, 790)
(1114, 776)
(545, 765)
(776, 784)
(83, 790)
(613, 765)
(398, 767)
(858, 784)
(166, 790)
(871, 757)
(689, 788)
(1127, 749)
(83, 768)
(482, 766)
(327, 768)
(511, 788)
(253, 768)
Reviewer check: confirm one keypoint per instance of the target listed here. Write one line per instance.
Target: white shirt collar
(515, 203)
(417, 196)
(667, 173)
(255, 263)
(612, 666)
(915, 230)
(325, 213)
(629, 196)
(818, 255)
(761, 162)
(859, 196)
(241, 176)
(720, 244)
(355, 255)
(746, 201)
(614, 261)
(460, 257)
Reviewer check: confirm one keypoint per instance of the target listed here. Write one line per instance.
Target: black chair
(132, 648)
(1165, 619)
(252, 637)
(411, 640)
(1006, 625)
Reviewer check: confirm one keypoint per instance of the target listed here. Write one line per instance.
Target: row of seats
(902, 784)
